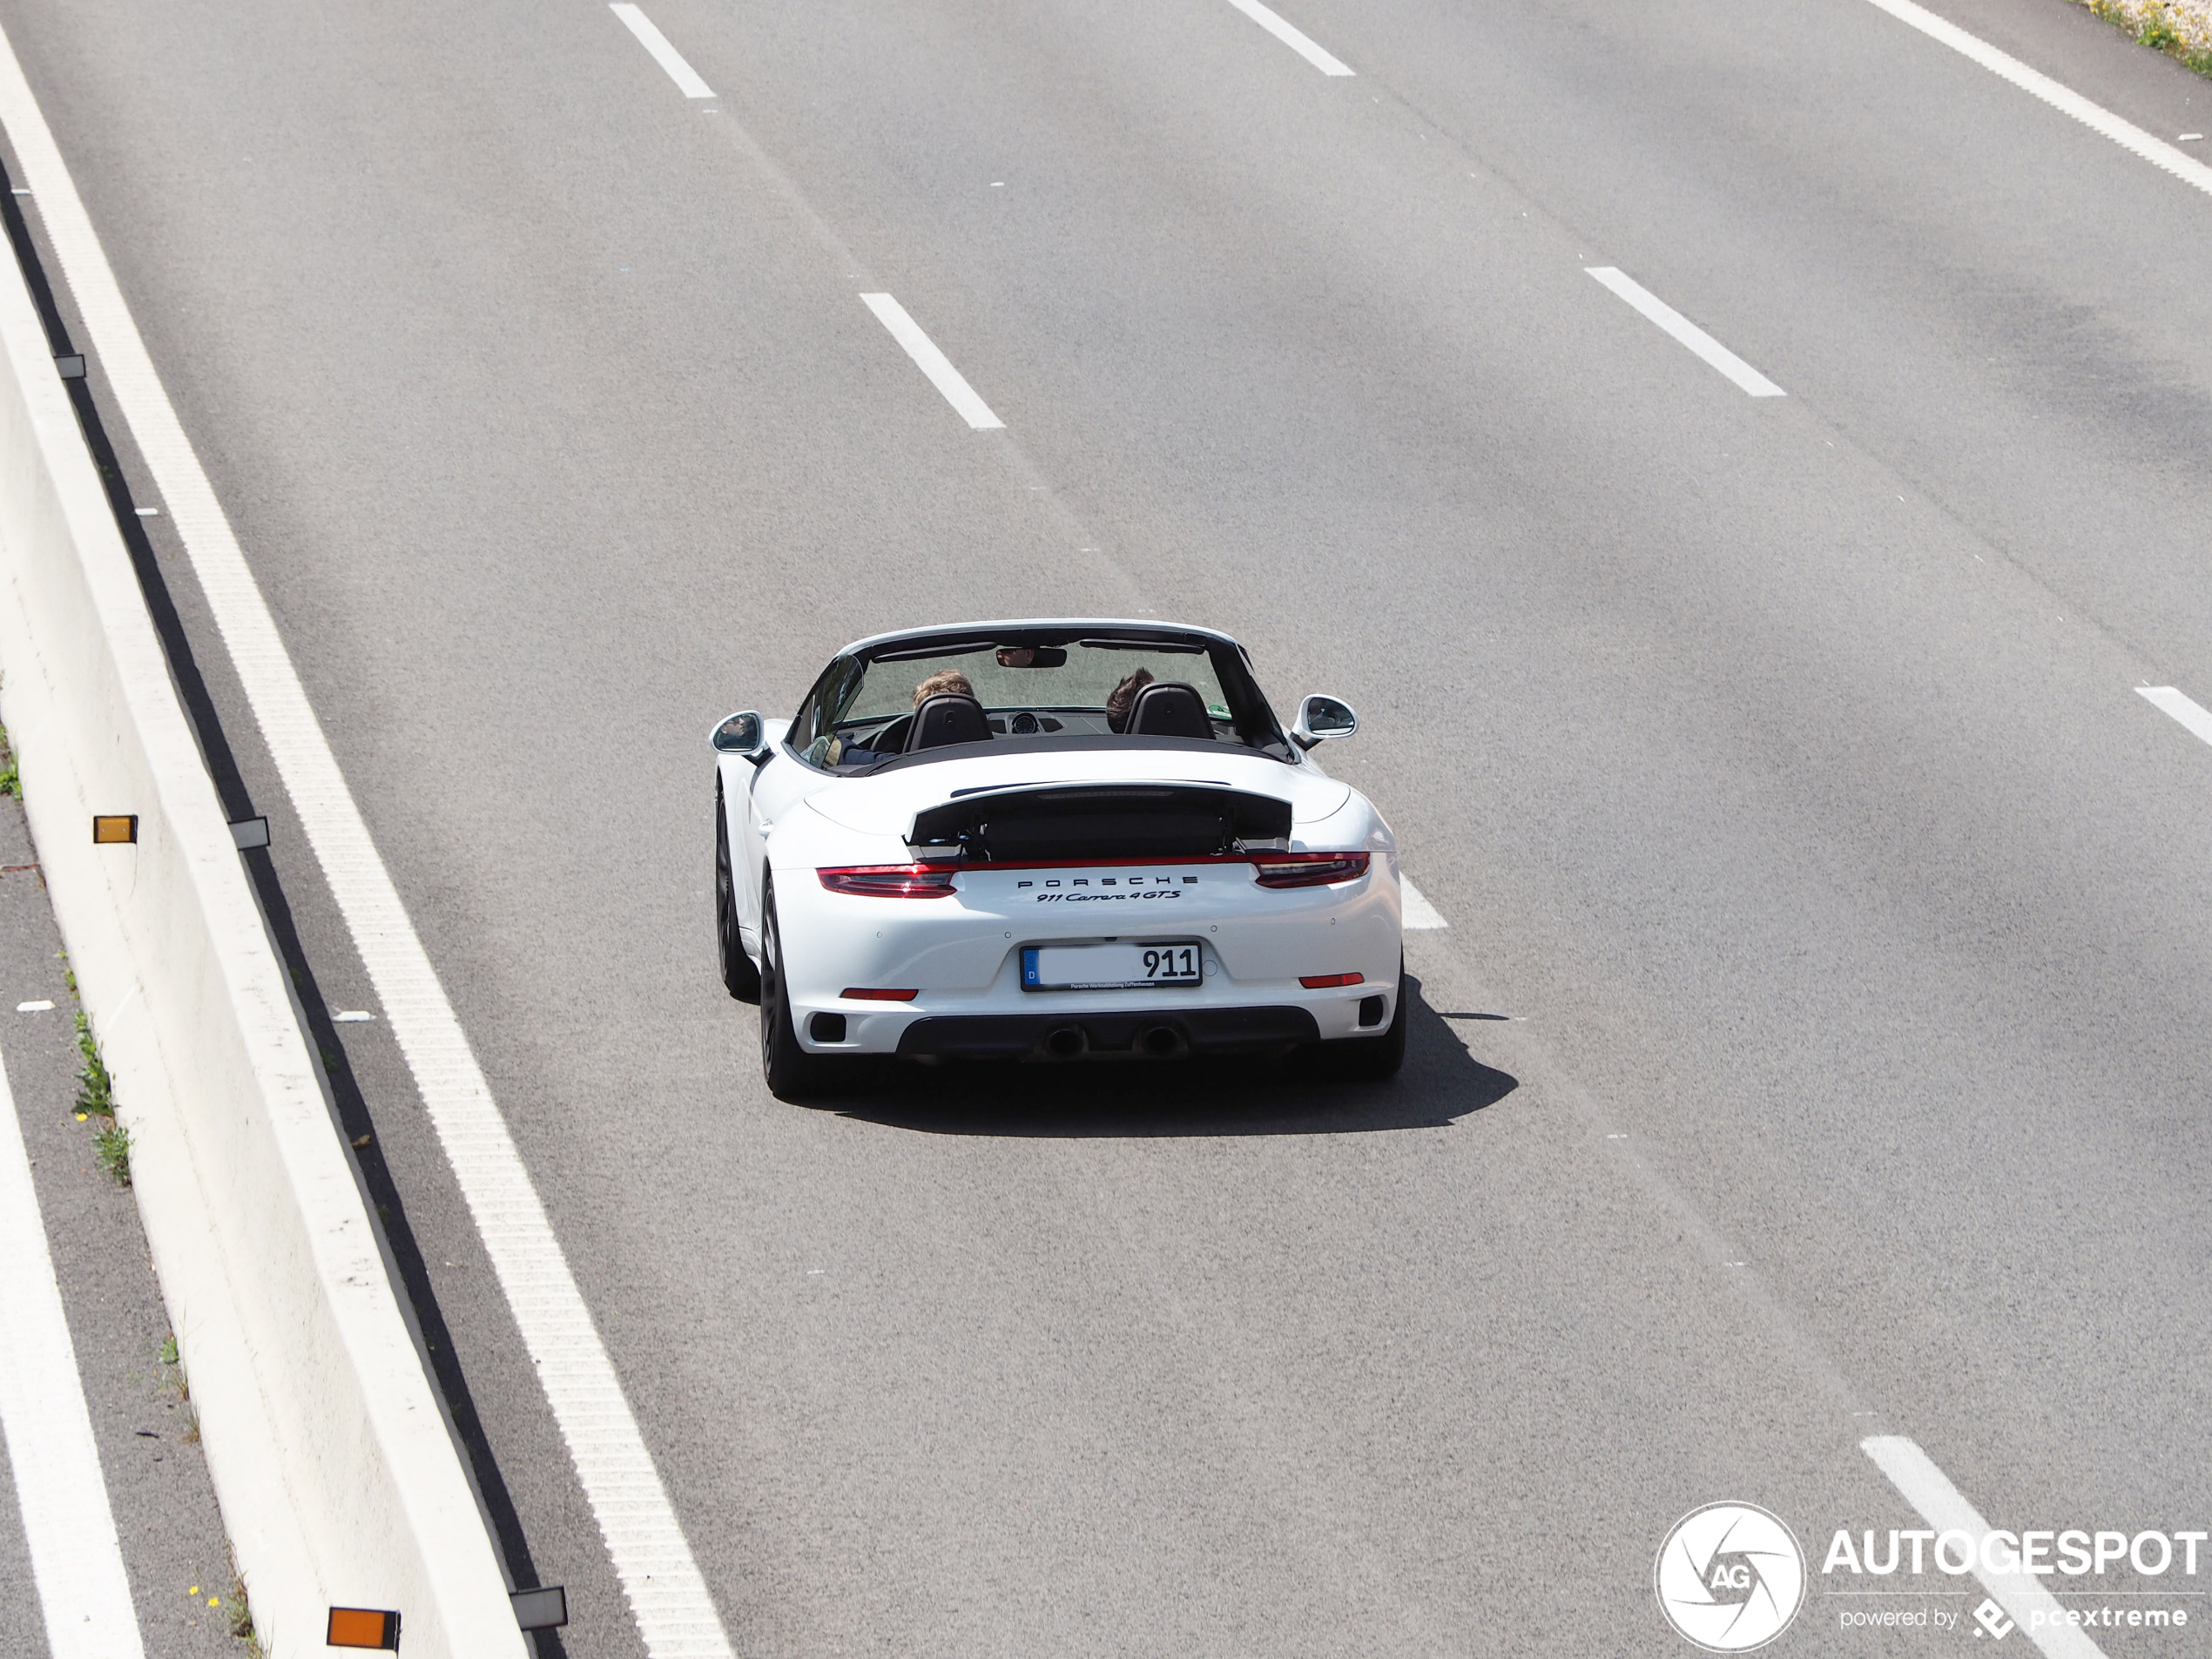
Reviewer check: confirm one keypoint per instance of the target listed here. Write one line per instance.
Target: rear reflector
(363, 1627)
(892, 880)
(1307, 869)
(1324, 981)
(865, 994)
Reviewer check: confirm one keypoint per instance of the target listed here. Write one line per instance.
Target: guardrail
(330, 1452)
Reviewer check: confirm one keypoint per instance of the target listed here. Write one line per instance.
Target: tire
(791, 1073)
(1370, 1060)
(739, 974)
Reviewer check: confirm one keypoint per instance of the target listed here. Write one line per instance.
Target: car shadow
(1440, 1084)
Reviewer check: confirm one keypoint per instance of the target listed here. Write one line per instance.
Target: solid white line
(1687, 331)
(1419, 913)
(931, 361)
(1297, 41)
(2064, 99)
(676, 1616)
(2021, 1594)
(75, 1559)
(687, 78)
(2192, 715)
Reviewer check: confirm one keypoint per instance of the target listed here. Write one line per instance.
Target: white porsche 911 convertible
(1050, 840)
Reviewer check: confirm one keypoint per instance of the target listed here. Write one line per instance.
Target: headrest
(1169, 709)
(947, 717)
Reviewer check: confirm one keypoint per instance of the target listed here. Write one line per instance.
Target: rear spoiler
(1093, 822)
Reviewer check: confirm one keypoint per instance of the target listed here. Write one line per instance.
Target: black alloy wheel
(739, 974)
(791, 1073)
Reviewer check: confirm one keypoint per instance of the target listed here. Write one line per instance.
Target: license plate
(1111, 968)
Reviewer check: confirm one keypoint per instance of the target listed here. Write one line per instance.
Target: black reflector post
(545, 1609)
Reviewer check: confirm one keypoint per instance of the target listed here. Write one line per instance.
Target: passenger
(1119, 699)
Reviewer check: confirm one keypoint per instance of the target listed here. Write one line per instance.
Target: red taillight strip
(1307, 869)
(892, 880)
(864, 993)
(1312, 981)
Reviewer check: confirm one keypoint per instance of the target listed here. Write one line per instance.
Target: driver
(945, 682)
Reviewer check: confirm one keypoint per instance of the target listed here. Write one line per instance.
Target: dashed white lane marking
(1419, 913)
(149, 512)
(1673, 323)
(1294, 39)
(1913, 1473)
(2190, 713)
(649, 37)
(351, 1016)
(75, 1558)
(2064, 99)
(675, 1616)
(931, 361)
(40, 1006)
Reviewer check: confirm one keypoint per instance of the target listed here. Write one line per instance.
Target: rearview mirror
(740, 735)
(1323, 717)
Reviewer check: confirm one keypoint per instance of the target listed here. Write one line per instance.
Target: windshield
(1034, 685)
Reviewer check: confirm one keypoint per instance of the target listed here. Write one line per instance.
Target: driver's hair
(945, 682)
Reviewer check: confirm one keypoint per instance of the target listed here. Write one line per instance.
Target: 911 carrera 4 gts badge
(1085, 898)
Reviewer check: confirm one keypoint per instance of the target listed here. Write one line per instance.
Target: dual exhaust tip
(1161, 1042)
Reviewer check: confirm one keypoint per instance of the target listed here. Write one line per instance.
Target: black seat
(947, 718)
(1169, 709)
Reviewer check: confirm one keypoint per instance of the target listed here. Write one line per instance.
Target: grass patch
(10, 779)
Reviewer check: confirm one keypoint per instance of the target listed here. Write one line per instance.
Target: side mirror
(1323, 717)
(741, 735)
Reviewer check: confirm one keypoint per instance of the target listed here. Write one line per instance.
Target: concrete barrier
(331, 1455)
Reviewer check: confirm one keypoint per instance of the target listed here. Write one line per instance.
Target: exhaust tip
(1161, 1042)
(1065, 1042)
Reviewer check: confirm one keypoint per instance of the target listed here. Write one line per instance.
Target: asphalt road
(1817, 1049)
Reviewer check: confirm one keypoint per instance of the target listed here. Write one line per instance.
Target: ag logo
(1730, 1577)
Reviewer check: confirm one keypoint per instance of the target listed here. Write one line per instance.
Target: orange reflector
(362, 1627)
(1324, 981)
(865, 995)
(109, 832)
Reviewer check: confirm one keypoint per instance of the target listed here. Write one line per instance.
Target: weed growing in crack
(112, 1147)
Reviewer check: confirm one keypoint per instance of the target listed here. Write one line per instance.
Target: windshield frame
(1256, 730)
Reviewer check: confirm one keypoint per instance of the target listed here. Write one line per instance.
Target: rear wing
(1101, 822)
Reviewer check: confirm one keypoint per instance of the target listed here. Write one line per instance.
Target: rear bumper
(1108, 1034)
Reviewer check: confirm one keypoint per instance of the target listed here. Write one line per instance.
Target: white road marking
(1292, 37)
(40, 1006)
(75, 1559)
(676, 1616)
(1688, 332)
(351, 1016)
(931, 361)
(1419, 913)
(149, 512)
(2064, 99)
(649, 37)
(2190, 713)
(2021, 1594)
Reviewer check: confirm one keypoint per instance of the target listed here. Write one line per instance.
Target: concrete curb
(337, 1475)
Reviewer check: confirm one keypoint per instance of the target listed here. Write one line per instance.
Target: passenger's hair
(1118, 700)
(945, 682)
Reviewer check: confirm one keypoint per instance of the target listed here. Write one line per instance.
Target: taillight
(1307, 869)
(1311, 981)
(872, 994)
(892, 880)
